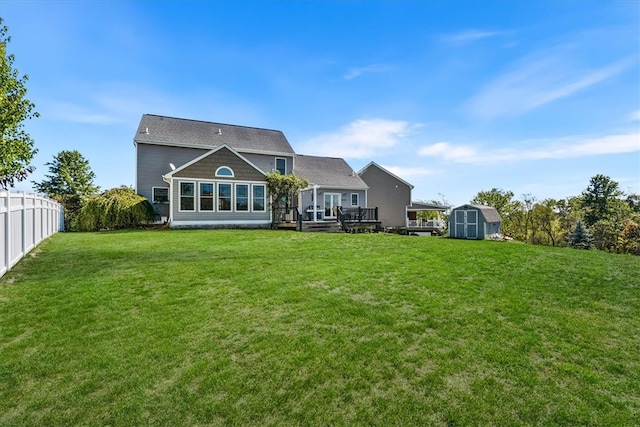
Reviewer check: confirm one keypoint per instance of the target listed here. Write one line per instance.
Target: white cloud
(562, 148)
(535, 82)
(358, 139)
(355, 72)
(468, 36)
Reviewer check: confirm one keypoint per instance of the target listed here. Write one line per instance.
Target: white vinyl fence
(25, 221)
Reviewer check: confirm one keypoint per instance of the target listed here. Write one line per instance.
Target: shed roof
(490, 213)
(173, 131)
(328, 172)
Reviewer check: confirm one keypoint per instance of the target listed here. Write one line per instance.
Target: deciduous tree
(16, 146)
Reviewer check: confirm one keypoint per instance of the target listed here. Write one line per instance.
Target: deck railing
(427, 223)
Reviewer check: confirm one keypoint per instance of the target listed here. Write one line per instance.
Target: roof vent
(219, 131)
(146, 131)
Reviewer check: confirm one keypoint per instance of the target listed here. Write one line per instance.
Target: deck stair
(321, 227)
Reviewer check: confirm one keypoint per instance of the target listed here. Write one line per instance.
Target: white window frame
(357, 203)
(180, 196)
(235, 201)
(230, 184)
(225, 176)
(264, 198)
(213, 196)
(153, 194)
(285, 165)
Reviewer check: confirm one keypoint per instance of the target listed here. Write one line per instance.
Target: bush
(114, 209)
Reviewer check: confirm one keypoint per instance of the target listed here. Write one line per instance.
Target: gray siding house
(390, 193)
(199, 173)
(474, 222)
(332, 183)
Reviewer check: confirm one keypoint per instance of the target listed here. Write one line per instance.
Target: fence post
(7, 231)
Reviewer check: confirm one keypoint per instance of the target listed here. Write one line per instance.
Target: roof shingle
(328, 172)
(164, 130)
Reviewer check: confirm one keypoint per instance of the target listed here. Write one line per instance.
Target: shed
(474, 222)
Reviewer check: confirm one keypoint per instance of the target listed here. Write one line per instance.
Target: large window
(206, 196)
(187, 196)
(258, 197)
(160, 195)
(224, 197)
(242, 197)
(281, 165)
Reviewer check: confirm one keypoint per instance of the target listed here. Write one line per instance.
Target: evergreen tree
(16, 146)
(70, 182)
(580, 238)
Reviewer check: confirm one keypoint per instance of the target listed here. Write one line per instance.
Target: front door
(331, 203)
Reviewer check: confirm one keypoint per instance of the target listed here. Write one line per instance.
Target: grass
(281, 328)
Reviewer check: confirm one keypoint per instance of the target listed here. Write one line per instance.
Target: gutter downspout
(315, 203)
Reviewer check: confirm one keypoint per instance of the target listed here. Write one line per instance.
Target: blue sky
(456, 97)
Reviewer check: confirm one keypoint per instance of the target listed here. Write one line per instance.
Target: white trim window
(206, 196)
(224, 197)
(258, 194)
(281, 165)
(242, 197)
(225, 172)
(355, 199)
(160, 194)
(187, 196)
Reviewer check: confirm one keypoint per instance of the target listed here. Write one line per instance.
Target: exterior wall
(152, 161)
(345, 199)
(390, 195)
(204, 171)
(268, 163)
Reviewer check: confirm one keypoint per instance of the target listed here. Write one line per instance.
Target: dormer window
(224, 171)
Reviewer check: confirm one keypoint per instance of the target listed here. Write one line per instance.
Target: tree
(580, 238)
(280, 188)
(502, 201)
(70, 181)
(114, 209)
(599, 198)
(16, 146)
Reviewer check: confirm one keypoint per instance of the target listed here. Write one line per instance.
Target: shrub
(114, 209)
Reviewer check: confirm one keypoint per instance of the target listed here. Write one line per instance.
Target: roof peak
(209, 122)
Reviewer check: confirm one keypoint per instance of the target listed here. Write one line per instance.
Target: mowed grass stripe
(280, 328)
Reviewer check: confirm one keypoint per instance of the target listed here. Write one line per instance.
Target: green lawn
(274, 328)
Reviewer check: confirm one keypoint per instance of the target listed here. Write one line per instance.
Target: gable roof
(173, 131)
(169, 175)
(490, 213)
(328, 172)
(374, 164)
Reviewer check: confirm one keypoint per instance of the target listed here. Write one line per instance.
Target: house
(204, 174)
(474, 222)
(390, 193)
(332, 184)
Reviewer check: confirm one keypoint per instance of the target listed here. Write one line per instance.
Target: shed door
(472, 224)
(466, 224)
(460, 220)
